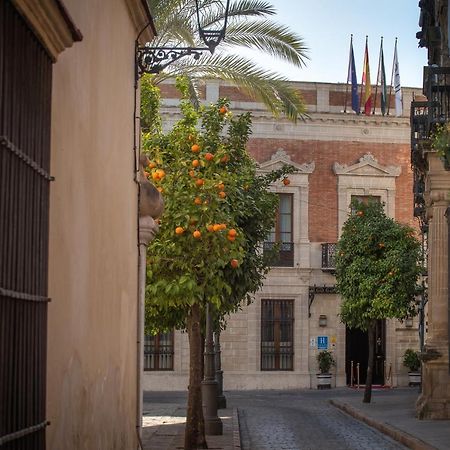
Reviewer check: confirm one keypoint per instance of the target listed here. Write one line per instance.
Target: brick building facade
(273, 343)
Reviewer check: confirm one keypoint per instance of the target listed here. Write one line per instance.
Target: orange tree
(217, 212)
(377, 268)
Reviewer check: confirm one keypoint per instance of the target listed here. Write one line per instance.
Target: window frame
(275, 321)
(157, 353)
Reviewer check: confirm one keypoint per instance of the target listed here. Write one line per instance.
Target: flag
(382, 80)
(351, 78)
(397, 86)
(367, 97)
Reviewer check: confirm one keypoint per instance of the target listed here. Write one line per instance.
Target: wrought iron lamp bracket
(156, 59)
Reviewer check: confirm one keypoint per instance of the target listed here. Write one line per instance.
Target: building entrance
(357, 352)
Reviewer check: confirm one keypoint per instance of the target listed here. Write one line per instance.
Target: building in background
(273, 343)
(69, 366)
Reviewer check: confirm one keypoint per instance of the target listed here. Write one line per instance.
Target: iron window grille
(159, 351)
(277, 335)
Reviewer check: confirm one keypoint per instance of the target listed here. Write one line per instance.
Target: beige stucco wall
(93, 236)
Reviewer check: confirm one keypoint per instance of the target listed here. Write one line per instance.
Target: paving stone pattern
(301, 421)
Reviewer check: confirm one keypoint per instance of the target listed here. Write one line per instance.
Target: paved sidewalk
(393, 412)
(163, 428)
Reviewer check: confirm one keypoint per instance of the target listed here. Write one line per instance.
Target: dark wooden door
(25, 100)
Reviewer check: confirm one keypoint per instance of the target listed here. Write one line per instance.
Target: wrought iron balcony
(328, 257)
(283, 253)
(436, 87)
(420, 133)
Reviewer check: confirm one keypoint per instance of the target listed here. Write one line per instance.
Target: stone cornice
(142, 20)
(367, 166)
(280, 158)
(51, 23)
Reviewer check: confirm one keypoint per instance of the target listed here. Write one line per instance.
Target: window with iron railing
(277, 334)
(158, 351)
(328, 256)
(281, 236)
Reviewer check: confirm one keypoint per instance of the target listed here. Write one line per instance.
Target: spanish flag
(367, 95)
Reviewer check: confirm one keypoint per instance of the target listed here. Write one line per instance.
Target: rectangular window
(158, 352)
(282, 234)
(277, 331)
(364, 199)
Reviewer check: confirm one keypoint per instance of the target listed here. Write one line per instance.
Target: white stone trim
(366, 177)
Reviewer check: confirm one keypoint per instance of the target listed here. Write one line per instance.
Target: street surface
(294, 420)
(302, 420)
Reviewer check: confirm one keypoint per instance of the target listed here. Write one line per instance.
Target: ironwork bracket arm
(156, 59)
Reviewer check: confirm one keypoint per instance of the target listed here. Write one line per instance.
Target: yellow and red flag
(367, 95)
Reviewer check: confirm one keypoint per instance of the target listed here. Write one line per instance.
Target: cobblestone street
(301, 420)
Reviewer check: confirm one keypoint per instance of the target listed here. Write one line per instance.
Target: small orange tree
(216, 214)
(377, 268)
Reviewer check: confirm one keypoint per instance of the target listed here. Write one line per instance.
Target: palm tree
(249, 25)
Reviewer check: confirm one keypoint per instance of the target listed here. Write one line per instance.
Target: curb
(400, 436)
(236, 430)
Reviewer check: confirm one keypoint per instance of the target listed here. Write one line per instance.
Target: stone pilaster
(434, 402)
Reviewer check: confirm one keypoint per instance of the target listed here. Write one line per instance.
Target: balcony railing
(436, 87)
(420, 133)
(328, 257)
(283, 253)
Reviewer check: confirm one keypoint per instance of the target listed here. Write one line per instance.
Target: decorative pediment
(280, 158)
(367, 166)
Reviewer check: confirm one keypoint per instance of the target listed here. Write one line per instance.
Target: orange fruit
(161, 173)
(221, 186)
(152, 165)
(286, 181)
(222, 194)
(232, 232)
(199, 182)
(195, 148)
(160, 189)
(231, 238)
(234, 263)
(156, 176)
(216, 227)
(209, 156)
(360, 213)
(210, 227)
(198, 201)
(222, 226)
(192, 173)
(381, 245)
(195, 163)
(179, 230)
(224, 159)
(223, 110)
(196, 234)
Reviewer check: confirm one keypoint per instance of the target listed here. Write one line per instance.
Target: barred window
(277, 343)
(282, 233)
(158, 351)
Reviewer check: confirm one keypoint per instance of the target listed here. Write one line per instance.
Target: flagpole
(378, 77)
(392, 78)
(362, 78)
(348, 72)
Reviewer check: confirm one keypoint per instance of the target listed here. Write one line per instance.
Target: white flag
(397, 86)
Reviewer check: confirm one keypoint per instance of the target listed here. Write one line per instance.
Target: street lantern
(155, 59)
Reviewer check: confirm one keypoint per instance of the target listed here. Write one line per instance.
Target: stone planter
(415, 378)
(324, 380)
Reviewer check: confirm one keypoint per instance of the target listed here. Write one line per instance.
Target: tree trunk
(368, 388)
(194, 436)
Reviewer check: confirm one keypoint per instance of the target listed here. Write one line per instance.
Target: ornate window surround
(366, 177)
(299, 187)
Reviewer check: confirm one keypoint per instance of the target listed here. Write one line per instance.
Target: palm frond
(268, 87)
(269, 37)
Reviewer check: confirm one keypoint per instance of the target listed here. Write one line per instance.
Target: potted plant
(411, 360)
(326, 361)
(440, 141)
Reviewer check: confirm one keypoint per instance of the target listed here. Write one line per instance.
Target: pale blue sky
(326, 25)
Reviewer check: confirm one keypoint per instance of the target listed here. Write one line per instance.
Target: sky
(326, 26)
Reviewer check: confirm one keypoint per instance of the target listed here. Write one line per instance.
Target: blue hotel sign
(322, 342)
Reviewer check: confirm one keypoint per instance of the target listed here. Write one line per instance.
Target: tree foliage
(377, 267)
(250, 25)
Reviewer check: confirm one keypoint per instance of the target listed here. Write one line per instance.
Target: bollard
(357, 375)
(352, 373)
